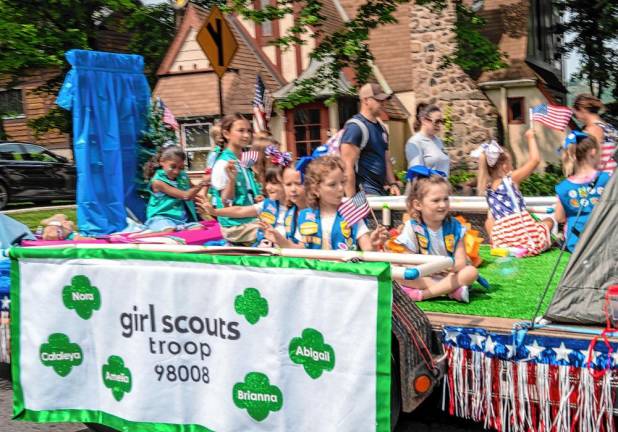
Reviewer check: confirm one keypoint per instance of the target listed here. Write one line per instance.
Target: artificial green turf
(33, 219)
(516, 286)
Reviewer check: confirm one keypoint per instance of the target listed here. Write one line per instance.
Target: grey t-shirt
(426, 151)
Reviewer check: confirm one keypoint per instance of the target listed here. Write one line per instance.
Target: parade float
(132, 335)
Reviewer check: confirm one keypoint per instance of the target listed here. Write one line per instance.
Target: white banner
(195, 342)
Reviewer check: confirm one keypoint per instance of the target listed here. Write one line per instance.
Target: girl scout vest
(576, 195)
(451, 230)
(246, 191)
(342, 237)
(270, 214)
(164, 205)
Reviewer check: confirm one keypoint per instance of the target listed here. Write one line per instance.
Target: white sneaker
(461, 294)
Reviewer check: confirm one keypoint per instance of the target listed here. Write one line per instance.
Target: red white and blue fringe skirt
(520, 230)
(544, 384)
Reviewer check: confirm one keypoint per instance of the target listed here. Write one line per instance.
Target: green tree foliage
(348, 46)
(157, 135)
(591, 30)
(37, 33)
(474, 53)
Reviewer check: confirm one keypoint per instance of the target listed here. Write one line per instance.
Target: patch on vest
(308, 228)
(345, 230)
(422, 241)
(449, 242)
(267, 217)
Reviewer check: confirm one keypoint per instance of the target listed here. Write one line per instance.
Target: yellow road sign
(217, 41)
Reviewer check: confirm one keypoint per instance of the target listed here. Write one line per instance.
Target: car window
(39, 154)
(11, 152)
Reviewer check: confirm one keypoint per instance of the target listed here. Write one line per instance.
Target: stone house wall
(474, 117)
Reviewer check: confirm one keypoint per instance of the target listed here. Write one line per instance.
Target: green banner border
(379, 270)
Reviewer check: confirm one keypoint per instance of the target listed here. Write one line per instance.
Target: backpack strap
(364, 131)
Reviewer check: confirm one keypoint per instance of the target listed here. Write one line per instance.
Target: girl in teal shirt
(171, 204)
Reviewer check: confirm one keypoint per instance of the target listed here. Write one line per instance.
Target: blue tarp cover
(11, 231)
(109, 96)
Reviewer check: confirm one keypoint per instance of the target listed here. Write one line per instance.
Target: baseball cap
(373, 91)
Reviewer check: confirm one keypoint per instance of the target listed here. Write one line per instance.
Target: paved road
(8, 425)
(428, 419)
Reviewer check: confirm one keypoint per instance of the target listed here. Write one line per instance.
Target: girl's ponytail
(152, 165)
(577, 153)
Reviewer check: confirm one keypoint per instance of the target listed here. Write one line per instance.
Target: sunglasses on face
(436, 122)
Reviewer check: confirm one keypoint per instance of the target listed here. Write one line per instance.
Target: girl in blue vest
(321, 226)
(432, 231)
(171, 206)
(233, 183)
(581, 191)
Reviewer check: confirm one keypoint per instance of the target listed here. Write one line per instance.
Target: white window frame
(183, 138)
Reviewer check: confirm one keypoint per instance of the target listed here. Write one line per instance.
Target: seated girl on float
(321, 226)
(432, 231)
(233, 183)
(285, 196)
(508, 223)
(581, 191)
(171, 206)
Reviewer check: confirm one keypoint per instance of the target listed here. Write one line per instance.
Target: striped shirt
(608, 147)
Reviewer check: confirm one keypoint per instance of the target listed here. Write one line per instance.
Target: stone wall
(474, 116)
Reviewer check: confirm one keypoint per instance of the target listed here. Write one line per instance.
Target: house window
(197, 144)
(516, 110)
(11, 105)
(307, 130)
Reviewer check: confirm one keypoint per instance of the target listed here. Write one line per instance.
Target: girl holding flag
(508, 223)
(327, 223)
(279, 211)
(432, 231)
(233, 182)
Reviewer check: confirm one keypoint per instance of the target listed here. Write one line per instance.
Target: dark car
(29, 172)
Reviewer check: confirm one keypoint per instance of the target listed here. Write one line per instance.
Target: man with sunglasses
(364, 147)
(425, 147)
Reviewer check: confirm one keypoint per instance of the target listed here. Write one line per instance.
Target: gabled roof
(192, 93)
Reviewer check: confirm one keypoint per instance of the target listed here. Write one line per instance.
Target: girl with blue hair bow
(432, 231)
(581, 191)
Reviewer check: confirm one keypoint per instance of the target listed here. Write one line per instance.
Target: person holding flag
(328, 222)
(508, 223)
(233, 182)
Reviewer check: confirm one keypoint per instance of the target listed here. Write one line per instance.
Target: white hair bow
(492, 152)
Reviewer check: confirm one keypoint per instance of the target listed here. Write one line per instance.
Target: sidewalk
(8, 425)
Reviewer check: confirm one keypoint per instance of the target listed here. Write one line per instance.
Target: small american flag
(168, 117)
(355, 209)
(260, 102)
(554, 116)
(249, 158)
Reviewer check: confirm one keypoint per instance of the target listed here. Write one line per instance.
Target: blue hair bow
(573, 138)
(301, 165)
(420, 171)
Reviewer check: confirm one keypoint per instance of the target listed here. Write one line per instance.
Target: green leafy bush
(459, 177)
